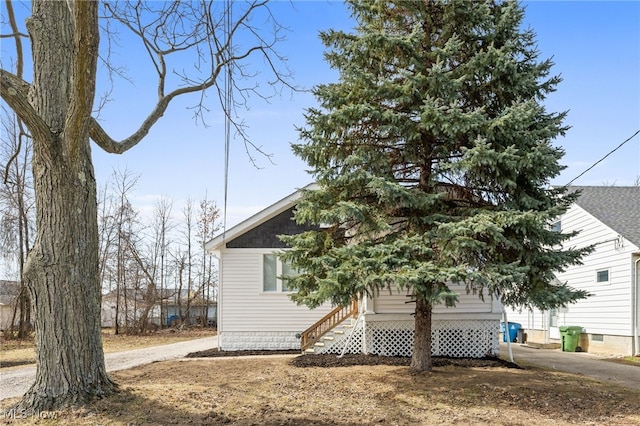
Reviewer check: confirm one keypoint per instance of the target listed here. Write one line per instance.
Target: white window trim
(608, 281)
(278, 289)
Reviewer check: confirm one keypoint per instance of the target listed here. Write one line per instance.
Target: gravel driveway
(16, 382)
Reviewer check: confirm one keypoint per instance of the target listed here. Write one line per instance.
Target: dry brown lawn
(21, 352)
(272, 391)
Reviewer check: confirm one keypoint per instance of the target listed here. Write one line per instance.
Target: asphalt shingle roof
(618, 207)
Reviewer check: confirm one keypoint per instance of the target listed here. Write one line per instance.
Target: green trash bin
(570, 335)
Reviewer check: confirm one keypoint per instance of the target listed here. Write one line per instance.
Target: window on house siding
(287, 271)
(274, 273)
(269, 273)
(557, 226)
(602, 276)
(553, 318)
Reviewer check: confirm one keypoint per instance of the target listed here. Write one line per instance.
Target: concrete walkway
(580, 363)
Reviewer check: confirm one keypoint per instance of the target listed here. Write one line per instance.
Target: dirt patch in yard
(361, 359)
(349, 360)
(216, 353)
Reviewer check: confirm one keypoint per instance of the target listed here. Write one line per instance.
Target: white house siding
(252, 319)
(608, 311)
(395, 302)
(6, 315)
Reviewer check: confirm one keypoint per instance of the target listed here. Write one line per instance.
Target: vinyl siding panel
(395, 302)
(247, 308)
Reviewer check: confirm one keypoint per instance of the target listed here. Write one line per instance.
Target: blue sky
(595, 46)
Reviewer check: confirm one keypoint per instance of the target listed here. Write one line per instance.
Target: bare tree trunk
(18, 308)
(15, 201)
(207, 227)
(178, 298)
(125, 299)
(163, 317)
(188, 217)
(150, 296)
(421, 358)
(116, 324)
(23, 230)
(205, 300)
(24, 326)
(62, 268)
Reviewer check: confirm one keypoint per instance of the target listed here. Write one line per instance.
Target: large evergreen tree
(433, 157)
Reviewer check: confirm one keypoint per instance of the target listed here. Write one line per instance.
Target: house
(130, 307)
(175, 307)
(9, 292)
(255, 312)
(134, 306)
(608, 217)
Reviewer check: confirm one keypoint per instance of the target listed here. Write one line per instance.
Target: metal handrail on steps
(350, 337)
(311, 335)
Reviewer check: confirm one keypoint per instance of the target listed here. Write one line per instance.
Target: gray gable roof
(618, 207)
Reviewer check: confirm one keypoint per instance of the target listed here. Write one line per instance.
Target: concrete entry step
(543, 345)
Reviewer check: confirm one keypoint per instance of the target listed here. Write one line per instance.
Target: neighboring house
(255, 311)
(9, 292)
(130, 309)
(171, 308)
(135, 307)
(608, 217)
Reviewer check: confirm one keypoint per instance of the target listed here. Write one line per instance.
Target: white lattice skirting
(453, 338)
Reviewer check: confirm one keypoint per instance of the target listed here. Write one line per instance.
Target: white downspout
(506, 333)
(506, 328)
(635, 302)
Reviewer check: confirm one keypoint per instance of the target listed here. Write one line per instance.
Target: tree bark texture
(62, 268)
(421, 357)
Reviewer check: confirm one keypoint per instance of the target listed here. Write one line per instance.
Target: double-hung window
(274, 273)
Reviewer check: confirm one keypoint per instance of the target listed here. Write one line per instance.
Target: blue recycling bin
(513, 331)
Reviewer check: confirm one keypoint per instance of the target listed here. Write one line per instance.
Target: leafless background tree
(16, 218)
(189, 46)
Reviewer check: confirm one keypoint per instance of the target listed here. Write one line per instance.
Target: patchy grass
(273, 391)
(631, 360)
(124, 342)
(22, 352)
(16, 352)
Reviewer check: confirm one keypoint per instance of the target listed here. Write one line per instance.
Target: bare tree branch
(198, 29)
(15, 92)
